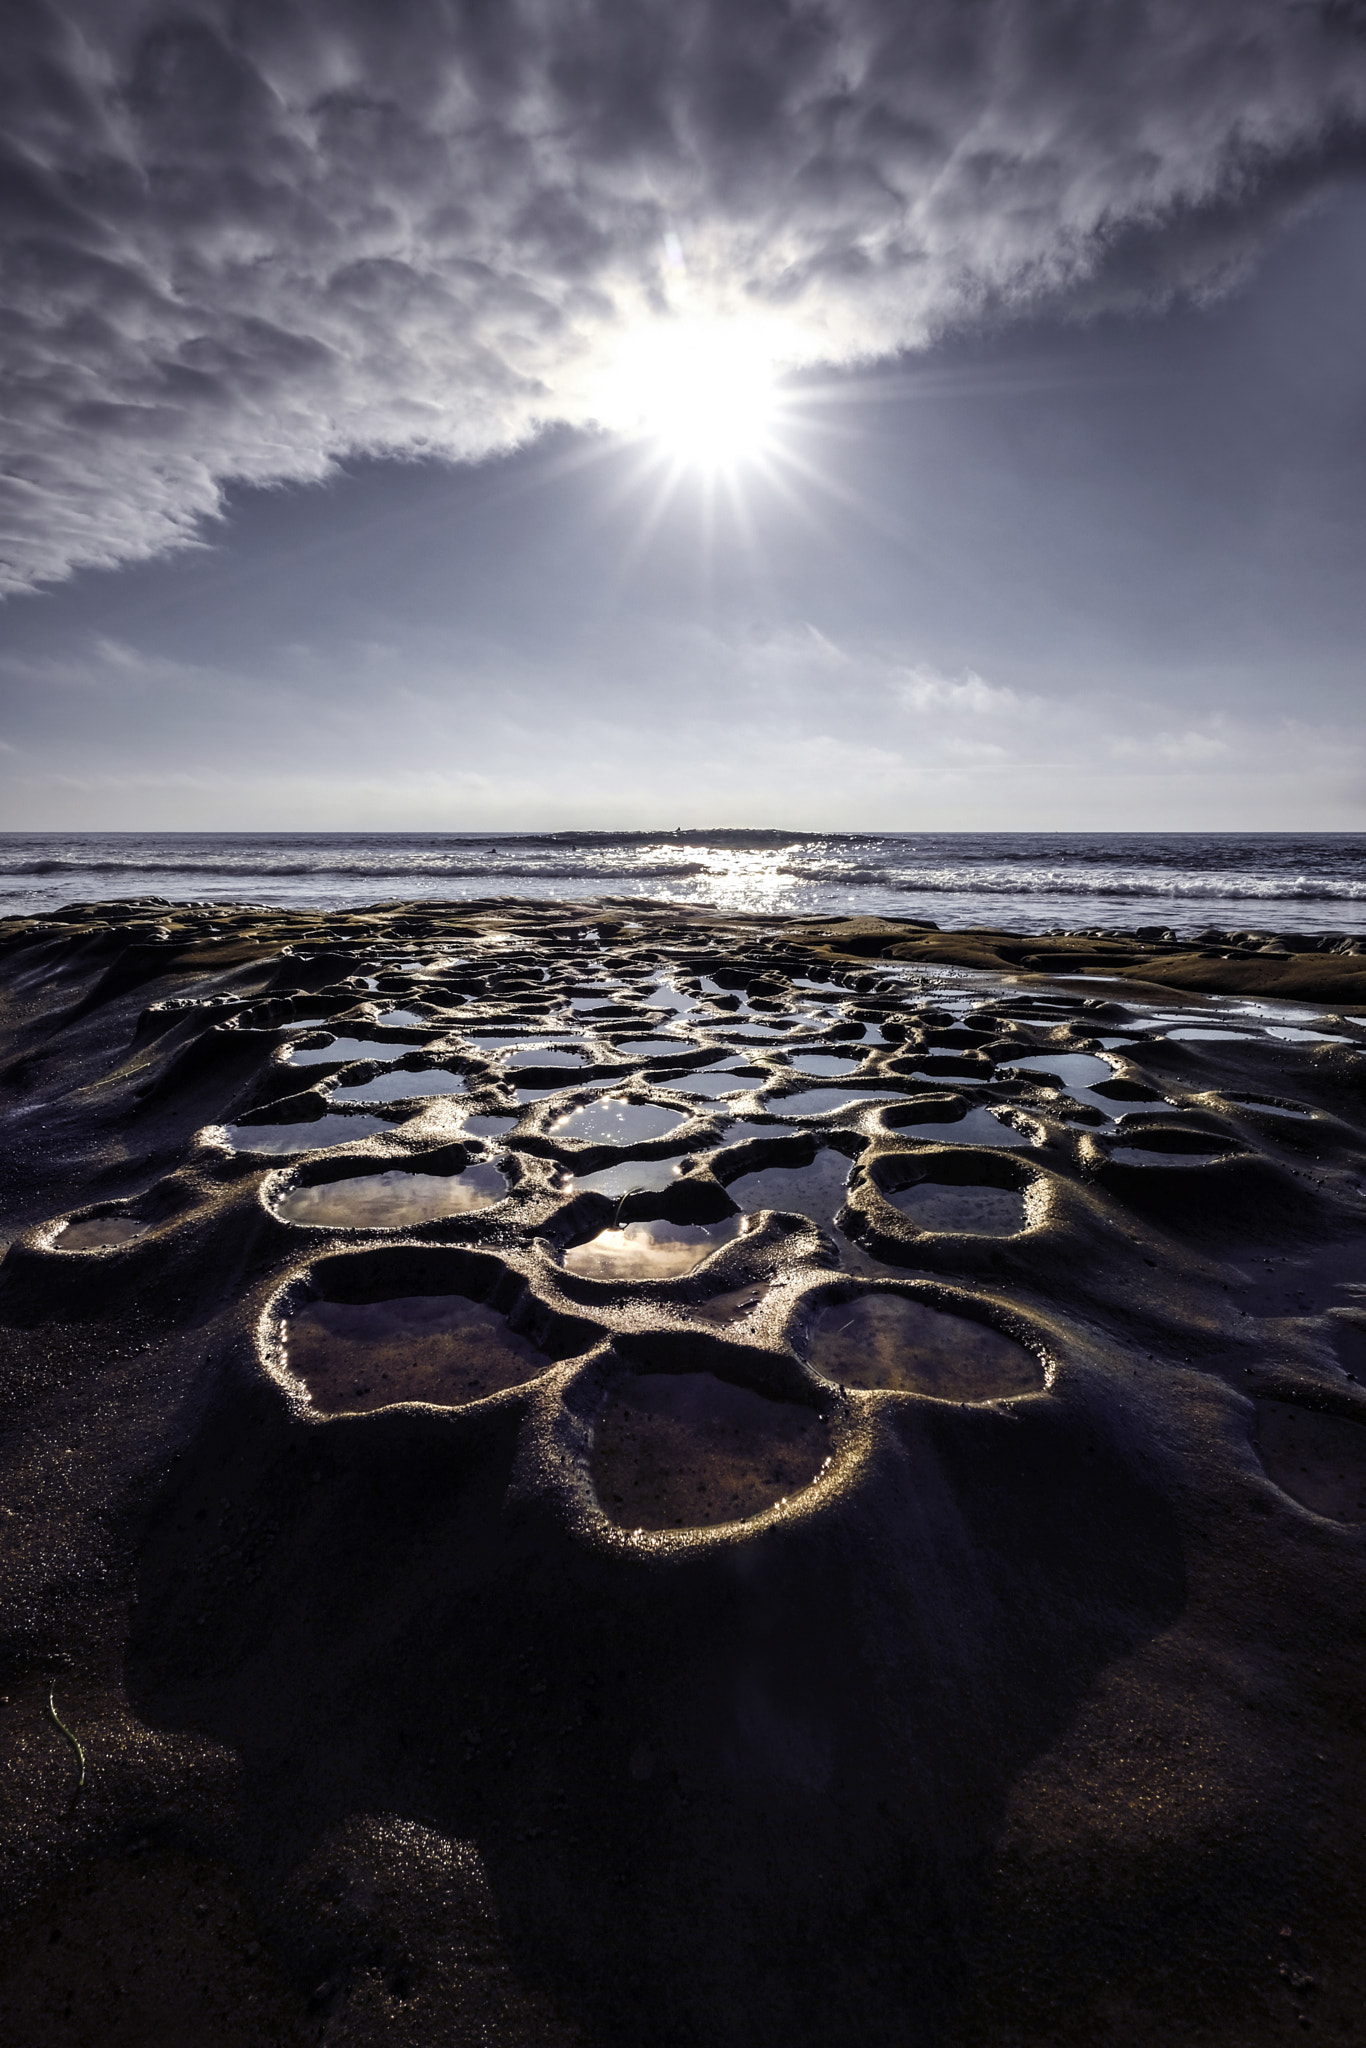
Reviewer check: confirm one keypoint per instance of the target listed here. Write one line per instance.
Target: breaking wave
(1022, 881)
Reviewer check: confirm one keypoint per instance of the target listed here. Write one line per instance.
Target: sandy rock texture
(595, 1473)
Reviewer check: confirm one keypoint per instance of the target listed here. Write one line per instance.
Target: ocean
(1018, 881)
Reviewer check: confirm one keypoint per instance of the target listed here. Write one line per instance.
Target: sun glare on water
(704, 394)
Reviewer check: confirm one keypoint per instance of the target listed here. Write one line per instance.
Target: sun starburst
(706, 394)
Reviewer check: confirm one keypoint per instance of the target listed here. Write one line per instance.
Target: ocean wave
(373, 871)
(1179, 888)
(979, 881)
(844, 878)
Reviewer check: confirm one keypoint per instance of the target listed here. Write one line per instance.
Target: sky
(834, 414)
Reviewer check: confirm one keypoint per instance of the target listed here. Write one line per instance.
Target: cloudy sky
(487, 414)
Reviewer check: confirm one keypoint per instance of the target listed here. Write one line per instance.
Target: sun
(706, 394)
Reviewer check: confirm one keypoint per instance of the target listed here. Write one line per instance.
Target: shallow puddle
(401, 1020)
(740, 1130)
(395, 1200)
(825, 1062)
(1070, 1069)
(688, 1450)
(488, 1126)
(1201, 1031)
(323, 1132)
(666, 997)
(490, 1042)
(343, 1049)
(657, 1250)
(614, 1122)
(710, 1084)
(984, 1212)
(1264, 1106)
(1161, 1148)
(1319, 1460)
(977, 1127)
(732, 1307)
(890, 1342)
(439, 1348)
(817, 1191)
(552, 1056)
(401, 1086)
(819, 1101)
(541, 1094)
(643, 1048)
(632, 1176)
(100, 1234)
(951, 1075)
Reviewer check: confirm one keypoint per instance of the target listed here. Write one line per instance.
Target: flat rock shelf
(846, 1527)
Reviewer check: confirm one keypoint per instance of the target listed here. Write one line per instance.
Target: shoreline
(1024, 882)
(861, 1538)
(1327, 967)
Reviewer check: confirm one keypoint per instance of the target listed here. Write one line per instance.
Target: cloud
(1188, 748)
(968, 695)
(246, 238)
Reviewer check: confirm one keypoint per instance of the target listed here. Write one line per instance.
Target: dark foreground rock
(834, 1511)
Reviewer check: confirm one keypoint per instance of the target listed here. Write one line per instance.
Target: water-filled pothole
(400, 1084)
(1197, 1031)
(1163, 1146)
(977, 1127)
(888, 1341)
(1070, 1069)
(546, 1056)
(1266, 1105)
(631, 1176)
(488, 1126)
(732, 1307)
(1297, 1037)
(950, 1070)
(740, 1129)
(666, 997)
(983, 1211)
(825, 1062)
(688, 1450)
(395, 1200)
(642, 1048)
(817, 1190)
(488, 1041)
(324, 1131)
(342, 1049)
(819, 1101)
(100, 1233)
(1319, 1460)
(657, 1250)
(712, 1085)
(611, 1121)
(439, 1348)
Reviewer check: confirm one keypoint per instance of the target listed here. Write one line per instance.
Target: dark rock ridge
(1316, 968)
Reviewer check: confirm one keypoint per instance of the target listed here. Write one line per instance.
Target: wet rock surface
(632, 1477)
